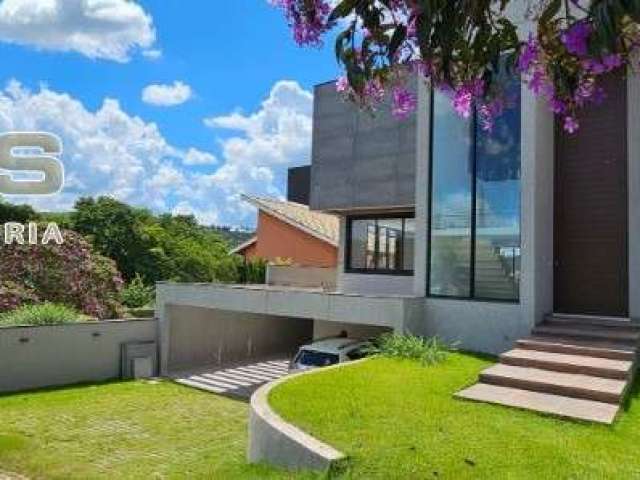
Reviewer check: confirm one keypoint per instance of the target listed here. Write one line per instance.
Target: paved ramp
(239, 380)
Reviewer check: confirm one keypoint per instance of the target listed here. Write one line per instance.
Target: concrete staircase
(571, 366)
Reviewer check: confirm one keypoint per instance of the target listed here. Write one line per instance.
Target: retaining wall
(35, 357)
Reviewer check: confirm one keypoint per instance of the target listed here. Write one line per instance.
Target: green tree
(17, 213)
(118, 231)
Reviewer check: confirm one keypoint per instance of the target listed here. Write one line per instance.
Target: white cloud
(106, 152)
(269, 141)
(204, 216)
(167, 95)
(104, 29)
(109, 152)
(198, 157)
(152, 54)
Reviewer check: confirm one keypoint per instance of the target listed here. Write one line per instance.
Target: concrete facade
(360, 160)
(36, 357)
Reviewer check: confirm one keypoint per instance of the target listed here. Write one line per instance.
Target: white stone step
(557, 383)
(562, 362)
(566, 407)
(592, 348)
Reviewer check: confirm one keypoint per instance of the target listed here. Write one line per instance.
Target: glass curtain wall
(475, 203)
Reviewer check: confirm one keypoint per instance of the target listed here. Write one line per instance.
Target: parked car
(328, 351)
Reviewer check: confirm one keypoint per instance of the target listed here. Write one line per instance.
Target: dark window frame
(474, 185)
(378, 271)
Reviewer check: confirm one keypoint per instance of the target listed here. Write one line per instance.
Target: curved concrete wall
(274, 441)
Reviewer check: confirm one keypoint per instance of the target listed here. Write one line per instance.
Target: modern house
(478, 238)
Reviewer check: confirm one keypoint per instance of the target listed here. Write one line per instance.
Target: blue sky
(239, 116)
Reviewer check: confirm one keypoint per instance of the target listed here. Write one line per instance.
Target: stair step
(573, 385)
(582, 320)
(542, 402)
(589, 332)
(594, 348)
(562, 362)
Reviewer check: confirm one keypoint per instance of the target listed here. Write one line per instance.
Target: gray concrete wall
(360, 160)
(274, 441)
(35, 357)
(322, 329)
(486, 327)
(203, 336)
(296, 276)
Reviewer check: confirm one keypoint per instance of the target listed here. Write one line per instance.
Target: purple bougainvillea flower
(342, 84)
(528, 54)
(571, 124)
(557, 106)
(404, 103)
(612, 61)
(576, 37)
(309, 19)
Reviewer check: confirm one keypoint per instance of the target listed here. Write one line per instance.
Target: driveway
(238, 380)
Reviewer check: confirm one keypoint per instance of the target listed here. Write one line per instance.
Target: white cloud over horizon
(164, 95)
(266, 143)
(110, 152)
(98, 29)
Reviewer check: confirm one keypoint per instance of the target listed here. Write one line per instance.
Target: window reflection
(460, 152)
(381, 245)
(497, 258)
(451, 201)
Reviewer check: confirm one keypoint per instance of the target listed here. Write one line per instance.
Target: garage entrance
(205, 337)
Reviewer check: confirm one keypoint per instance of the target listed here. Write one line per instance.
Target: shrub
(41, 314)
(254, 271)
(428, 351)
(70, 274)
(136, 294)
(13, 295)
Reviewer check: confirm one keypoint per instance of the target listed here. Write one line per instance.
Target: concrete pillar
(537, 180)
(423, 139)
(633, 141)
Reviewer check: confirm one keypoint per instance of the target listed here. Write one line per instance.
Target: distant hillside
(234, 237)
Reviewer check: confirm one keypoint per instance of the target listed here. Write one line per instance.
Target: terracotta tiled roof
(321, 225)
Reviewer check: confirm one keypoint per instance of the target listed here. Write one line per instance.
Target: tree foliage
(463, 47)
(157, 248)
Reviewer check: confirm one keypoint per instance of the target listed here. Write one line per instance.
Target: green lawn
(398, 420)
(137, 430)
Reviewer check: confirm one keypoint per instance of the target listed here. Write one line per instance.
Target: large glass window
(475, 204)
(451, 187)
(380, 245)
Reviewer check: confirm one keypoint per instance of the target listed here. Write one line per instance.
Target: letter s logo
(46, 163)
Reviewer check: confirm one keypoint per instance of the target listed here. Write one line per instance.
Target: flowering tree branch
(465, 48)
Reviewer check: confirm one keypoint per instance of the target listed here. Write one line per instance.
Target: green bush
(136, 294)
(428, 351)
(254, 271)
(41, 314)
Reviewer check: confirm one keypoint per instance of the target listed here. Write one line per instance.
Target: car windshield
(311, 358)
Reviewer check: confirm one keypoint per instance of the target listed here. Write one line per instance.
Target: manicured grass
(131, 430)
(397, 419)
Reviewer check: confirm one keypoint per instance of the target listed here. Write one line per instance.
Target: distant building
(289, 230)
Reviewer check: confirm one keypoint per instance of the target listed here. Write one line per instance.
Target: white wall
(35, 357)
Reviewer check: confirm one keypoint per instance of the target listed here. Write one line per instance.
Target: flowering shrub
(463, 47)
(69, 274)
(13, 295)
